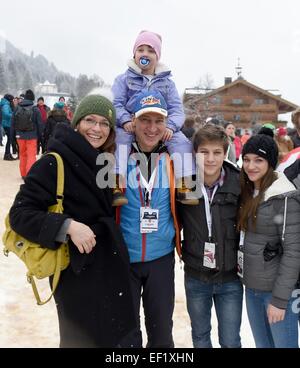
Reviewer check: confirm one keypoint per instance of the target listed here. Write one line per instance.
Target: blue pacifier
(144, 61)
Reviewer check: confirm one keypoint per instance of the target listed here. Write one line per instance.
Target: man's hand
(275, 314)
(82, 236)
(129, 127)
(168, 134)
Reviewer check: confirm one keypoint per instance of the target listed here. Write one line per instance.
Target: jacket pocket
(193, 245)
(270, 268)
(193, 251)
(133, 85)
(162, 87)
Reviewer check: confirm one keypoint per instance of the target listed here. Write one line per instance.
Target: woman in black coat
(93, 295)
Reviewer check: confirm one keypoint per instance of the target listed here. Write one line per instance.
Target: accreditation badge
(148, 220)
(240, 263)
(209, 259)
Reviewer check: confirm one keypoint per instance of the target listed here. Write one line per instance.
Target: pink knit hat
(151, 39)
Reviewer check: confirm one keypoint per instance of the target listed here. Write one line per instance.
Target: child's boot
(185, 194)
(119, 198)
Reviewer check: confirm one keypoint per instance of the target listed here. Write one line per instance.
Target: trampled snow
(24, 324)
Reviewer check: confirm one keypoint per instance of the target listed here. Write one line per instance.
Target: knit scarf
(43, 113)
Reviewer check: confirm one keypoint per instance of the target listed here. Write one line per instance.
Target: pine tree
(3, 78)
(82, 86)
(73, 102)
(58, 82)
(13, 77)
(96, 81)
(27, 81)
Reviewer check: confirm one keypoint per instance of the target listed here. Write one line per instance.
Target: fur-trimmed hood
(280, 186)
(58, 115)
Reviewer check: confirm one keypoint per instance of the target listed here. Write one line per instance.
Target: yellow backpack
(40, 262)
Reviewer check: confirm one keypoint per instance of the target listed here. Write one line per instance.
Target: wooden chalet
(240, 102)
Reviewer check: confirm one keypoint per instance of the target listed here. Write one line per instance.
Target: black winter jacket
(54, 117)
(36, 119)
(224, 216)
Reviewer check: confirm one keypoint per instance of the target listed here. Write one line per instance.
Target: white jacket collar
(280, 186)
(160, 68)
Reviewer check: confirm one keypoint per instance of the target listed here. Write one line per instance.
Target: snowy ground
(24, 324)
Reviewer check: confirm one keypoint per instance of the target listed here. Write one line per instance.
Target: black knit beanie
(266, 131)
(264, 146)
(9, 97)
(29, 95)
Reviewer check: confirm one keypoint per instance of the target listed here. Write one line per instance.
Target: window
(216, 100)
(260, 101)
(256, 116)
(237, 101)
(237, 117)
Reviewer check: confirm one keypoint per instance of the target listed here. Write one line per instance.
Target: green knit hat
(95, 104)
(270, 126)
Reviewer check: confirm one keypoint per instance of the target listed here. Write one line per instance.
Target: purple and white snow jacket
(126, 86)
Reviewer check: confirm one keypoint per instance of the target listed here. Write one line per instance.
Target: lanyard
(148, 186)
(207, 203)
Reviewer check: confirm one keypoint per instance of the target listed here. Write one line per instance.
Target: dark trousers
(1, 134)
(8, 142)
(153, 282)
(14, 144)
(41, 138)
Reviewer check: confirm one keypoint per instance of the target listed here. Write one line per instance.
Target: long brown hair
(249, 205)
(110, 144)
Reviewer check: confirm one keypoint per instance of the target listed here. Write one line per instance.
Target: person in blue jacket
(6, 113)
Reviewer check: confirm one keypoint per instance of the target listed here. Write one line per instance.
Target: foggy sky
(199, 37)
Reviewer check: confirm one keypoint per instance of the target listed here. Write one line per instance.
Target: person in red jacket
(44, 110)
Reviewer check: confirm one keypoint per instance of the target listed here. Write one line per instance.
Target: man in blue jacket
(149, 224)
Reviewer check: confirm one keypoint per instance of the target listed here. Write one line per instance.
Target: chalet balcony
(239, 108)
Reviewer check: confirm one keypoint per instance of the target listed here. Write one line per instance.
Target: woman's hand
(129, 127)
(167, 135)
(82, 236)
(275, 314)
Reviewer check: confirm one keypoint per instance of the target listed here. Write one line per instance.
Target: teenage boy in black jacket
(211, 243)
